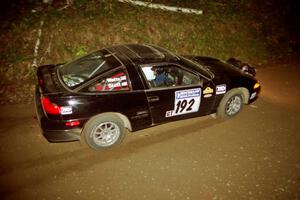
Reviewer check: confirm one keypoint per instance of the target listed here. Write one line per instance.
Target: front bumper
(254, 95)
(53, 130)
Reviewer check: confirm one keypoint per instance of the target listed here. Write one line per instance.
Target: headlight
(256, 85)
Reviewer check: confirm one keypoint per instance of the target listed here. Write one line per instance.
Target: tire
(231, 104)
(103, 132)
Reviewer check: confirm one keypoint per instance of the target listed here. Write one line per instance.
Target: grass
(220, 32)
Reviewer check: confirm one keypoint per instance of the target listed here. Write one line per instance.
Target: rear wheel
(103, 132)
(231, 104)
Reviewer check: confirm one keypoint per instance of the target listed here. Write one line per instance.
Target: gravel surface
(255, 155)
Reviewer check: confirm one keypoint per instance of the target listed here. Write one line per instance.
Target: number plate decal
(186, 101)
(66, 110)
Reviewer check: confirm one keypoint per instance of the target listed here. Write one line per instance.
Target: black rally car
(133, 87)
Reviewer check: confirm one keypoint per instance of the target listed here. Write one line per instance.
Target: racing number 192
(184, 105)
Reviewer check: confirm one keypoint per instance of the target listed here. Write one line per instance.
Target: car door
(112, 92)
(176, 92)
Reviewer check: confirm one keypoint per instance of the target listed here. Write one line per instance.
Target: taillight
(73, 123)
(49, 107)
(53, 109)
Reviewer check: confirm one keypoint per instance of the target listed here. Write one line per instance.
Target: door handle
(153, 98)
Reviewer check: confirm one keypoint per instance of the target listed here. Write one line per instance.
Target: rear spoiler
(48, 79)
(244, 67)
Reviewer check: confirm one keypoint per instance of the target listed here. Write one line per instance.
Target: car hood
(221, 70)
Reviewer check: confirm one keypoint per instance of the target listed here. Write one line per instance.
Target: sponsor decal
(116, 79)
(186, 101)
(207, 95)
(169, 113)
(208, 90)
(117, 82)
(66, 110)
(221, 89)
(253, 95)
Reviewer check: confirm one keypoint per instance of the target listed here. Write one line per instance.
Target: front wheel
(231, 104)
(103, 132)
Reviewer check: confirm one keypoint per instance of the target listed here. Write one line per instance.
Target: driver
(160, 76)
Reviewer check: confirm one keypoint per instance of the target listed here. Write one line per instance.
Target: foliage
(79, 3)
(80, 51)
(234, 29)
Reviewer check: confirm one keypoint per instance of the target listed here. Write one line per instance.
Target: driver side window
(169, 76)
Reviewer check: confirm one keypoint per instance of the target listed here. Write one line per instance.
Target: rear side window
(87, 67)
(116, 80)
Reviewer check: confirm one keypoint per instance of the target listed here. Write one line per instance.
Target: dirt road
(256, 155)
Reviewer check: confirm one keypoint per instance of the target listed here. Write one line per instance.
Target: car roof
(142, 53)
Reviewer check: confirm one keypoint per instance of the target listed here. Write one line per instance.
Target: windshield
(86, 67)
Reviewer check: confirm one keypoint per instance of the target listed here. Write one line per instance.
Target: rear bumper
(53, 130)
(62, 135)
